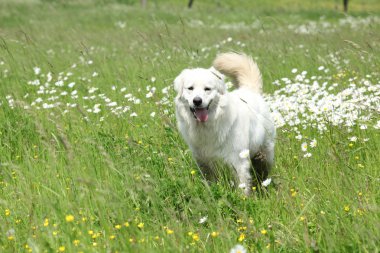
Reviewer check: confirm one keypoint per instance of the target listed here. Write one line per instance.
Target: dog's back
(241, 68)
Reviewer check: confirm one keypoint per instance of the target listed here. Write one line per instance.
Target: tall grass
(72, 180)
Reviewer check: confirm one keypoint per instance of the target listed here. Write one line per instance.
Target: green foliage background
(129, 182)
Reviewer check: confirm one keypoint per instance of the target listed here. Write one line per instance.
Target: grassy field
(90, 157)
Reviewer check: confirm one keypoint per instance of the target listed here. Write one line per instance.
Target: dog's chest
(208, 141)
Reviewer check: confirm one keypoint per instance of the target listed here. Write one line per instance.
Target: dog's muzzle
(200, 113)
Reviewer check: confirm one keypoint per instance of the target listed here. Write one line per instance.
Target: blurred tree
(345, 5)
(190, 3)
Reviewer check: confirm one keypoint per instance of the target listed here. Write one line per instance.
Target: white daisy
(313, 143)
(266, 182)
(244, 154)
(238, 249)
(203, 220)
(304, 147)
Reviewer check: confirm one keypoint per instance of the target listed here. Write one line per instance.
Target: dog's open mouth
(200, 114)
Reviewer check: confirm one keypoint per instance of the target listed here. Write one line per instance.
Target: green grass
(107, 170)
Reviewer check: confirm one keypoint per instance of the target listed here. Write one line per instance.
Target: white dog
(235, 127)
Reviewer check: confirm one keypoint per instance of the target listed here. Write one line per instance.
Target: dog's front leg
(242, 167)
(207, 169)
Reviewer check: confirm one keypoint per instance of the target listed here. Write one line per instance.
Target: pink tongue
(202, 114)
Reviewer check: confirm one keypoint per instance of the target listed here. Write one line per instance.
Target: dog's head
(200, 89)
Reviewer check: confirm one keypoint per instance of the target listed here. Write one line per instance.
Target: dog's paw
(246, 188)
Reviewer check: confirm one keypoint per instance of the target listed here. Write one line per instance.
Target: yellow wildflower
(264, 231)
(241, 237)
(7, 212)
(27, 247)
(140, 225)
(76, 242)
(214, 234)
(360, 211)
(69, 218)
(195, 237)
(62, 249)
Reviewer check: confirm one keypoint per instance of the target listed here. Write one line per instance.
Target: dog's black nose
(197, 101)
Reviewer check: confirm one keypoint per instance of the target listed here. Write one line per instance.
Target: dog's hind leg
(262, 163)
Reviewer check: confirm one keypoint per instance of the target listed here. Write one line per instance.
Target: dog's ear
(178, 82)
(222, 88)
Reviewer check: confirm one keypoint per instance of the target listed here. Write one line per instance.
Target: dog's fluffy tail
(241, 68)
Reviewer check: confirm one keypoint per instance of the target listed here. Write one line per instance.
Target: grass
(72, 180)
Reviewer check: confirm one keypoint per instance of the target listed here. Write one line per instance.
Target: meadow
(90, 157)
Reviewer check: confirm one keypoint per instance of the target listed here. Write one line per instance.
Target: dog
(235, 127)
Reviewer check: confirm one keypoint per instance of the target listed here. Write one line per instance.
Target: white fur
(238, 120)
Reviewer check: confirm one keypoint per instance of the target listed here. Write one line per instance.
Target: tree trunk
(345, 5)
(190, 4)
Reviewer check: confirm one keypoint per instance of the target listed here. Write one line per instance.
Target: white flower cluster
(67, 90)
(315, 102)
(310, 27)
(323, 26)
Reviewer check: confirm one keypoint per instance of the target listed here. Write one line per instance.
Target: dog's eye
(191, 88)
(207, 89)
